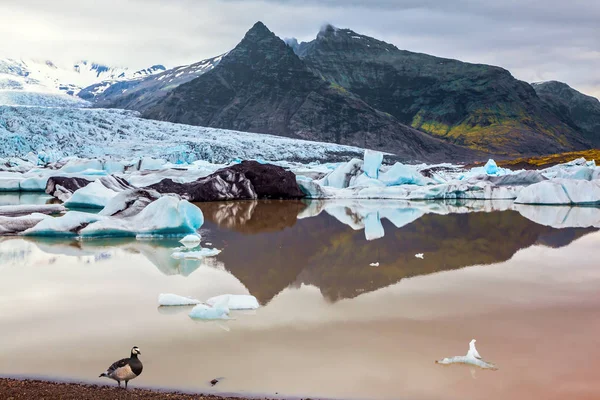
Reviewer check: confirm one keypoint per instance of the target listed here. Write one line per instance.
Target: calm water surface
(331, 324)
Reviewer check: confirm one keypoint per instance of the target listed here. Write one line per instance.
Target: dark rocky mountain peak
(263, 86)
(260, 48)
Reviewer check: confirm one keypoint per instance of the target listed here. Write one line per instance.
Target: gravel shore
(15, 389)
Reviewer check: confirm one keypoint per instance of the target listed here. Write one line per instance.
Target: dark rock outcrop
(245, 181)
(269, 181)
(222, 185)
(62, 187)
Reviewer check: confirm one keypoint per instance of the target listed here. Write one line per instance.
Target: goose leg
(126, 382)
(119, 383)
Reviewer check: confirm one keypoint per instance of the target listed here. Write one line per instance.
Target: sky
(536, 40)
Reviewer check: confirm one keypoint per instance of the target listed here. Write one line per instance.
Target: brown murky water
(331, 324)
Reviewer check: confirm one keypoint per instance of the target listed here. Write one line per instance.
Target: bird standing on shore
(125, 369)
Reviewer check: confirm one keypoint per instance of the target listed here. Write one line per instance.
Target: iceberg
(400, 174)
(98, 193)
(16, 225)
(168, 299)
(26, 209)
(190, 241)
(235, 301)
(165, 216)
(341, 176)
(204, 312)
(490, 167)
(372, 163)
(561, 191)
(196, 255)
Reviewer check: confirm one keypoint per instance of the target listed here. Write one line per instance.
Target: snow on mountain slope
(48, 77)
(122, 134)
(141, 93)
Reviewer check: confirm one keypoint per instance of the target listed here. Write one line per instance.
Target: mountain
(49, 77)
(581, 111)
(479, 106)
(263, 86)
(139, 94)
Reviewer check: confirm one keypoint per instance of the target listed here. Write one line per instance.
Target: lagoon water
(331, 325)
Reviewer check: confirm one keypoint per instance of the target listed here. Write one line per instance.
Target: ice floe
(206, 312)
(196, 255)
(169, 299)
(235, 301)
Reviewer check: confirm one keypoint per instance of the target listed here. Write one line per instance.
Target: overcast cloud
(534, 39)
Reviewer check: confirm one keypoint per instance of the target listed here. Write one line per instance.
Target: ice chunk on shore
(235, 301)
(372, 162)
(196, 255)
(169, 299)
(204, 312)
(561, 191)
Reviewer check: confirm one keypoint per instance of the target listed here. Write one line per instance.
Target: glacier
(123, 135)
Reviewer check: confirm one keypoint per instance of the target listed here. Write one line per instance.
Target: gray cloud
(534, 39)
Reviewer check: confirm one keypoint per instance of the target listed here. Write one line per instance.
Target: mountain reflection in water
(271, 245)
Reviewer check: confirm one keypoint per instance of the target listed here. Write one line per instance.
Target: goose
(125, 369)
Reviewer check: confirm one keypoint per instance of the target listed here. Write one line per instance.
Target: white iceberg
(400, 174)
(561, 191)
(372, 162)
(472, 358)
(204, 312)
(165, 216)
(196, 255)
(169, 299)
(235, 301)
(190, 241)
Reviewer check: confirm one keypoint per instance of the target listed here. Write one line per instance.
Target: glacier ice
(372, 162)
(169, 299)
(94, 195)
(167, 215)
(205, 312)
(561, 191)
(400, 174)
(197, 254)
(191, 241)
(235, 301)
